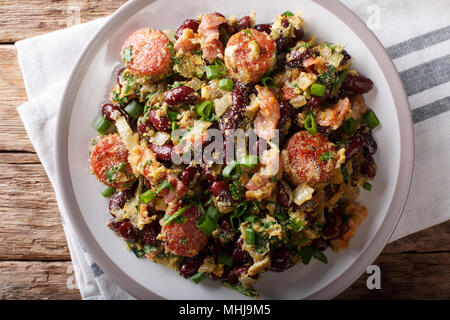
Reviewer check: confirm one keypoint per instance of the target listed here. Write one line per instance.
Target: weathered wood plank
(37, 280)
(12, 94)
(31, 226)
(23, 19)
(407, 276)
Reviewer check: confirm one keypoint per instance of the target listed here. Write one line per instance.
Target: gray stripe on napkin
(427, 75)
(426, 40)
(96, 271)
(431, 110)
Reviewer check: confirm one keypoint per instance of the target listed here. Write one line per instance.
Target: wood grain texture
(37, 280)
(23, 19)
(13, 136)
(407, 276)
(31, 226)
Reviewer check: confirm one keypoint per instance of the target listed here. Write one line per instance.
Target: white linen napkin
(416, 34)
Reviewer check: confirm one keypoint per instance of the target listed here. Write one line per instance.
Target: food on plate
(283, 199)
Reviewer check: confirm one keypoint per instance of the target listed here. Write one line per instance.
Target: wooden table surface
(34, 258)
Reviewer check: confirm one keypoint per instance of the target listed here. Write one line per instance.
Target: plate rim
(337, 285)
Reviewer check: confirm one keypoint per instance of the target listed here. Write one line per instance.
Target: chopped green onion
(249, 161)
(310, 124)
(147, 196)
(108, 192)
(163, 185)
(341, 79)
(327, 155)
(206, 225)
(288, 14)
(210, 200)
(212, 72)
(198, 277)
(204, 109)
(320, 256)
(134, 109)
(172, 116)
(367, 186)
(222, 67)
(213, 213)
(102, 125)
(249, 235)
(251, 219)
(225, 259)
(226, 84)
(232, 170)
(249, 292)
(137, 252)
(127, 54)
(345, 174)
(350, 126)
(168, 219)
(318, 90)
(268, 82)
(247, 32)
(371, 119)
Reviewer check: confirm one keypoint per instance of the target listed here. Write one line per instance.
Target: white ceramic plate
(94, 76)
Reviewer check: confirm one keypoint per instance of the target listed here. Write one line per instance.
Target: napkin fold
(417, 36)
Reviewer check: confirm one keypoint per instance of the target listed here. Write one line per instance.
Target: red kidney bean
(267, 28)
(354, 147)
(163, 153)
(208, 173)
(244, 23)
(281, 260)
(190, 266)
(233, 116)
(369, 167)
(370, 145)
(282, 44)
(144, 125)
(187, 24)
(118, 200)
(119, 78)
(221, 190)
(286, 113)
(299, 34)
(180, 95)
(160, 123)
(320, 244)
(239, 255)
(357, 84)
(150, 232)
(330, 229)
(347, 57)
(188, 175)
(128, 232)
(316, 102)
(107, 111)
(114, 224)
(225, 226)
(285, 23)
(282, 196)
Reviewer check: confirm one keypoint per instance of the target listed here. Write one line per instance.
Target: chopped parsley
(247, 32)
(111, 173)
(127, 54)
(346, 175)
(326, 156)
